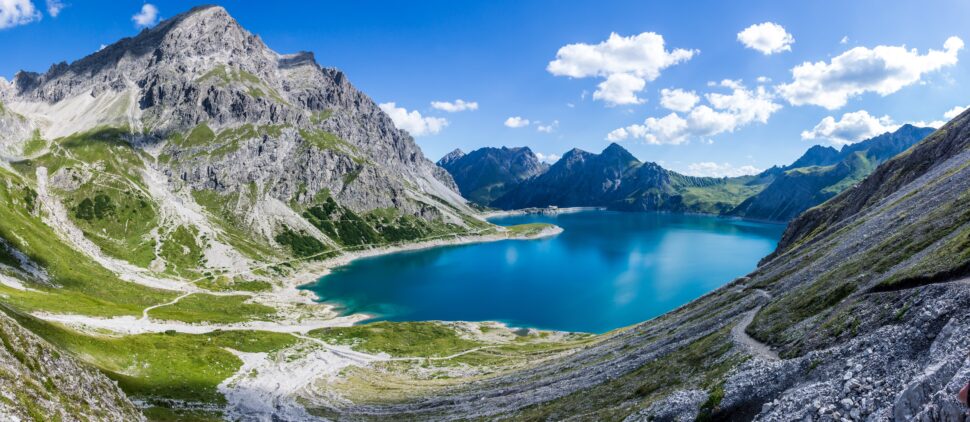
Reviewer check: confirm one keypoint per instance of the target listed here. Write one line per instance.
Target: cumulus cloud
(678, 99)
(947, 116)
(54, 7)
(844, 40)
(412, 121)
(147, 17)
(516, 122)
(620, 89)
(767, 37)
(548, 158)
(17, 12)
(955, 111)
(626, 64)
(722, 113)
(852, 127)
(454, 107)
(712, 169)
(883, 70)
(549, 128)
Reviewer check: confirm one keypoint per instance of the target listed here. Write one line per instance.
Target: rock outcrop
(40, 383)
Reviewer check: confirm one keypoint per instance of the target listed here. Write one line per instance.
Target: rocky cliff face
(487, 173)
(211, 108)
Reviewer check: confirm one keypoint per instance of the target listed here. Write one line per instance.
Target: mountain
(822, 173)
(487, 173)
(617, 180)
(182, 182)
(272, 146)
(860, 314)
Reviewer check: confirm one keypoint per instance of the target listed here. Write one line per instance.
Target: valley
(196, 227)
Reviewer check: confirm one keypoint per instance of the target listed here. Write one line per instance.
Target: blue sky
(555, 65)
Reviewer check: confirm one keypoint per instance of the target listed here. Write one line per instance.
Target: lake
(606, 270)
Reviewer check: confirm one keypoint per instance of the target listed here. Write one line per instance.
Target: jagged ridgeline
(512, 178)
(194, 133)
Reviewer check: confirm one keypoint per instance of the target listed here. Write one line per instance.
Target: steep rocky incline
(40, 383)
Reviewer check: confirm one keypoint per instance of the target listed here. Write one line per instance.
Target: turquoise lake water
(606, 270)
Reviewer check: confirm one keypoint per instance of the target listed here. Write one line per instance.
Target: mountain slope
(859, 315)
(162, 199)
(487, 173)
(232, 145)
(824, 172)
(40, 383)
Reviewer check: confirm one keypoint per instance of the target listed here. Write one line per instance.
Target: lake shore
(537, 210)
(311, 272)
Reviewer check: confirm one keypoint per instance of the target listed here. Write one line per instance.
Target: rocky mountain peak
(451, 157)
(618, 154)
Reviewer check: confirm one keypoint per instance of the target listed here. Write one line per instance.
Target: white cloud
(883, 70)
(626, 64)
(412, 121)
(548, 158)
(456, 106)
(767, 37)
(712, 169)
(516, 122)
(102, 47)
(851, 128)
(148, 16)
(763, 79)
(547, 128)
(678, 99)
(948, 115)
(54, 7)
(844, 40)
(723, 113)
(620, 89)
(17, 12)
(955, 111)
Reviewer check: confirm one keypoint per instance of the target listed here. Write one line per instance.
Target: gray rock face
(311, 130)
(40, 383)
(487, 173)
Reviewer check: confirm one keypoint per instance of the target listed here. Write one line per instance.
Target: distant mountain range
(487, 173)
(511, 178)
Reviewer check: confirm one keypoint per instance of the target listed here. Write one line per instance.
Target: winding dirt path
(741, 337)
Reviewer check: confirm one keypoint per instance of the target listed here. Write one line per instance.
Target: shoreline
(539, 211)
(312, 272)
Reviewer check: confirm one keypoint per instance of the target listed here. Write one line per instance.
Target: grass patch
(226, 284)
(182, 253)
(417, 339)
(85, 286)
(527, 230)
(201, 307)
(300, 243)
(169, 366)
